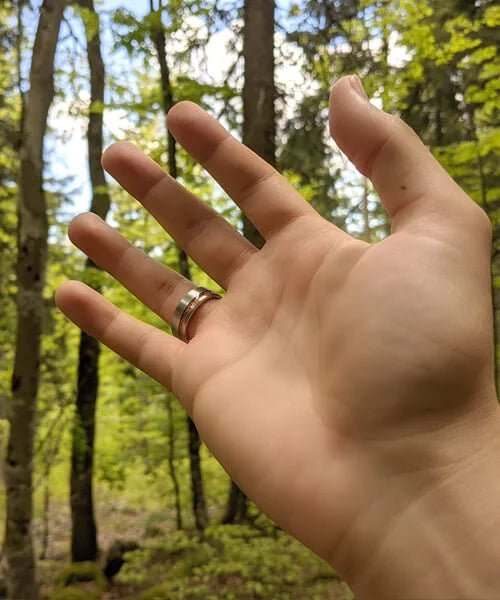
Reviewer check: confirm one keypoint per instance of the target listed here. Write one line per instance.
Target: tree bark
(83, 526)
(237, 506)
(45, 517)
(259, 134)
(259, 92)
(171, 463)
(197, 493)
(31, 265)
(366, 234)
(492, 209)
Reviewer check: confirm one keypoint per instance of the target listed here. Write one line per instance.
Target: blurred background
(107, 491)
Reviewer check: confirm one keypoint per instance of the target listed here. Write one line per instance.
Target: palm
(323, 347)
(374, 302)
(263, 356)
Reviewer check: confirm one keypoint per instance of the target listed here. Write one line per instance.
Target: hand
(341, 384)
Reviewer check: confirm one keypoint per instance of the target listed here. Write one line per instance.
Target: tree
(30, 269)
(259, 92)
(83, 525)
(168, 37)
(198, 497)
(259, 133)
(304, 155)
(335, 38)
(10, 40)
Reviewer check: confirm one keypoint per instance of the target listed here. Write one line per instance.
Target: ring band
(188, 305)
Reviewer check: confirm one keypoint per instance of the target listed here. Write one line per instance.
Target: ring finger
(159, 287)
(149, 349)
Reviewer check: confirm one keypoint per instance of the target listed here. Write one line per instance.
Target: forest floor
(227, 562)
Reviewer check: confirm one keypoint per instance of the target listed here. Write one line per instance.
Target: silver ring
(188, 305)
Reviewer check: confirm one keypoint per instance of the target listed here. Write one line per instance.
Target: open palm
(330, 364)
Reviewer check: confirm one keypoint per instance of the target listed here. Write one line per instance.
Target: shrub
(172, 591)
(74, 593)
(81, 573)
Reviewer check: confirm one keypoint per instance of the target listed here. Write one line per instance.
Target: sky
(142, 6)
(69, 145)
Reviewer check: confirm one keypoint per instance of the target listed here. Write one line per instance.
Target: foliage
(81, 572)
(74, 593)
(10, 106)
(233, 562)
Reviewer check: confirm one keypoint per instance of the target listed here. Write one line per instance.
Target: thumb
(408, 179)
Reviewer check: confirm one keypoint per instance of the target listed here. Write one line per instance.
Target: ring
(188, 305)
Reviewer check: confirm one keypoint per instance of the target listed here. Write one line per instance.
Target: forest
(107, 490)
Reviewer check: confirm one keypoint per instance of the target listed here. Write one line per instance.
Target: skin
(348, 388)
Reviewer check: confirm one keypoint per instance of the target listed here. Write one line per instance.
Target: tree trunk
(493, 211)
(31, 265)
(366, 233)
(259, 133)
(237, 506)
(198, 496)
(171, 463)
(259, 92)
(83, 527)
(45, 517)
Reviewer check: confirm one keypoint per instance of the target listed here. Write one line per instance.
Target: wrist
(432, 533)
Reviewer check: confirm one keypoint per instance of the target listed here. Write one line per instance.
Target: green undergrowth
(226, 562)
(79, 581)
(230, 562)
(81, 572)
(75, 593)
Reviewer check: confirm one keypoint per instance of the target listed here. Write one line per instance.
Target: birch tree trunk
(30, 270)
(83, 526)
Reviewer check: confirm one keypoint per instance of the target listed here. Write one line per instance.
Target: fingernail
(358, 87)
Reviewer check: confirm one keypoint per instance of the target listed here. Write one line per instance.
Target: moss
(199, 556)
(173, 591)
(81, 572)
(138, 568)
(74, 593)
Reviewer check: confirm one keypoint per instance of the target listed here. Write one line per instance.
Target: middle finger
(205, 236)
